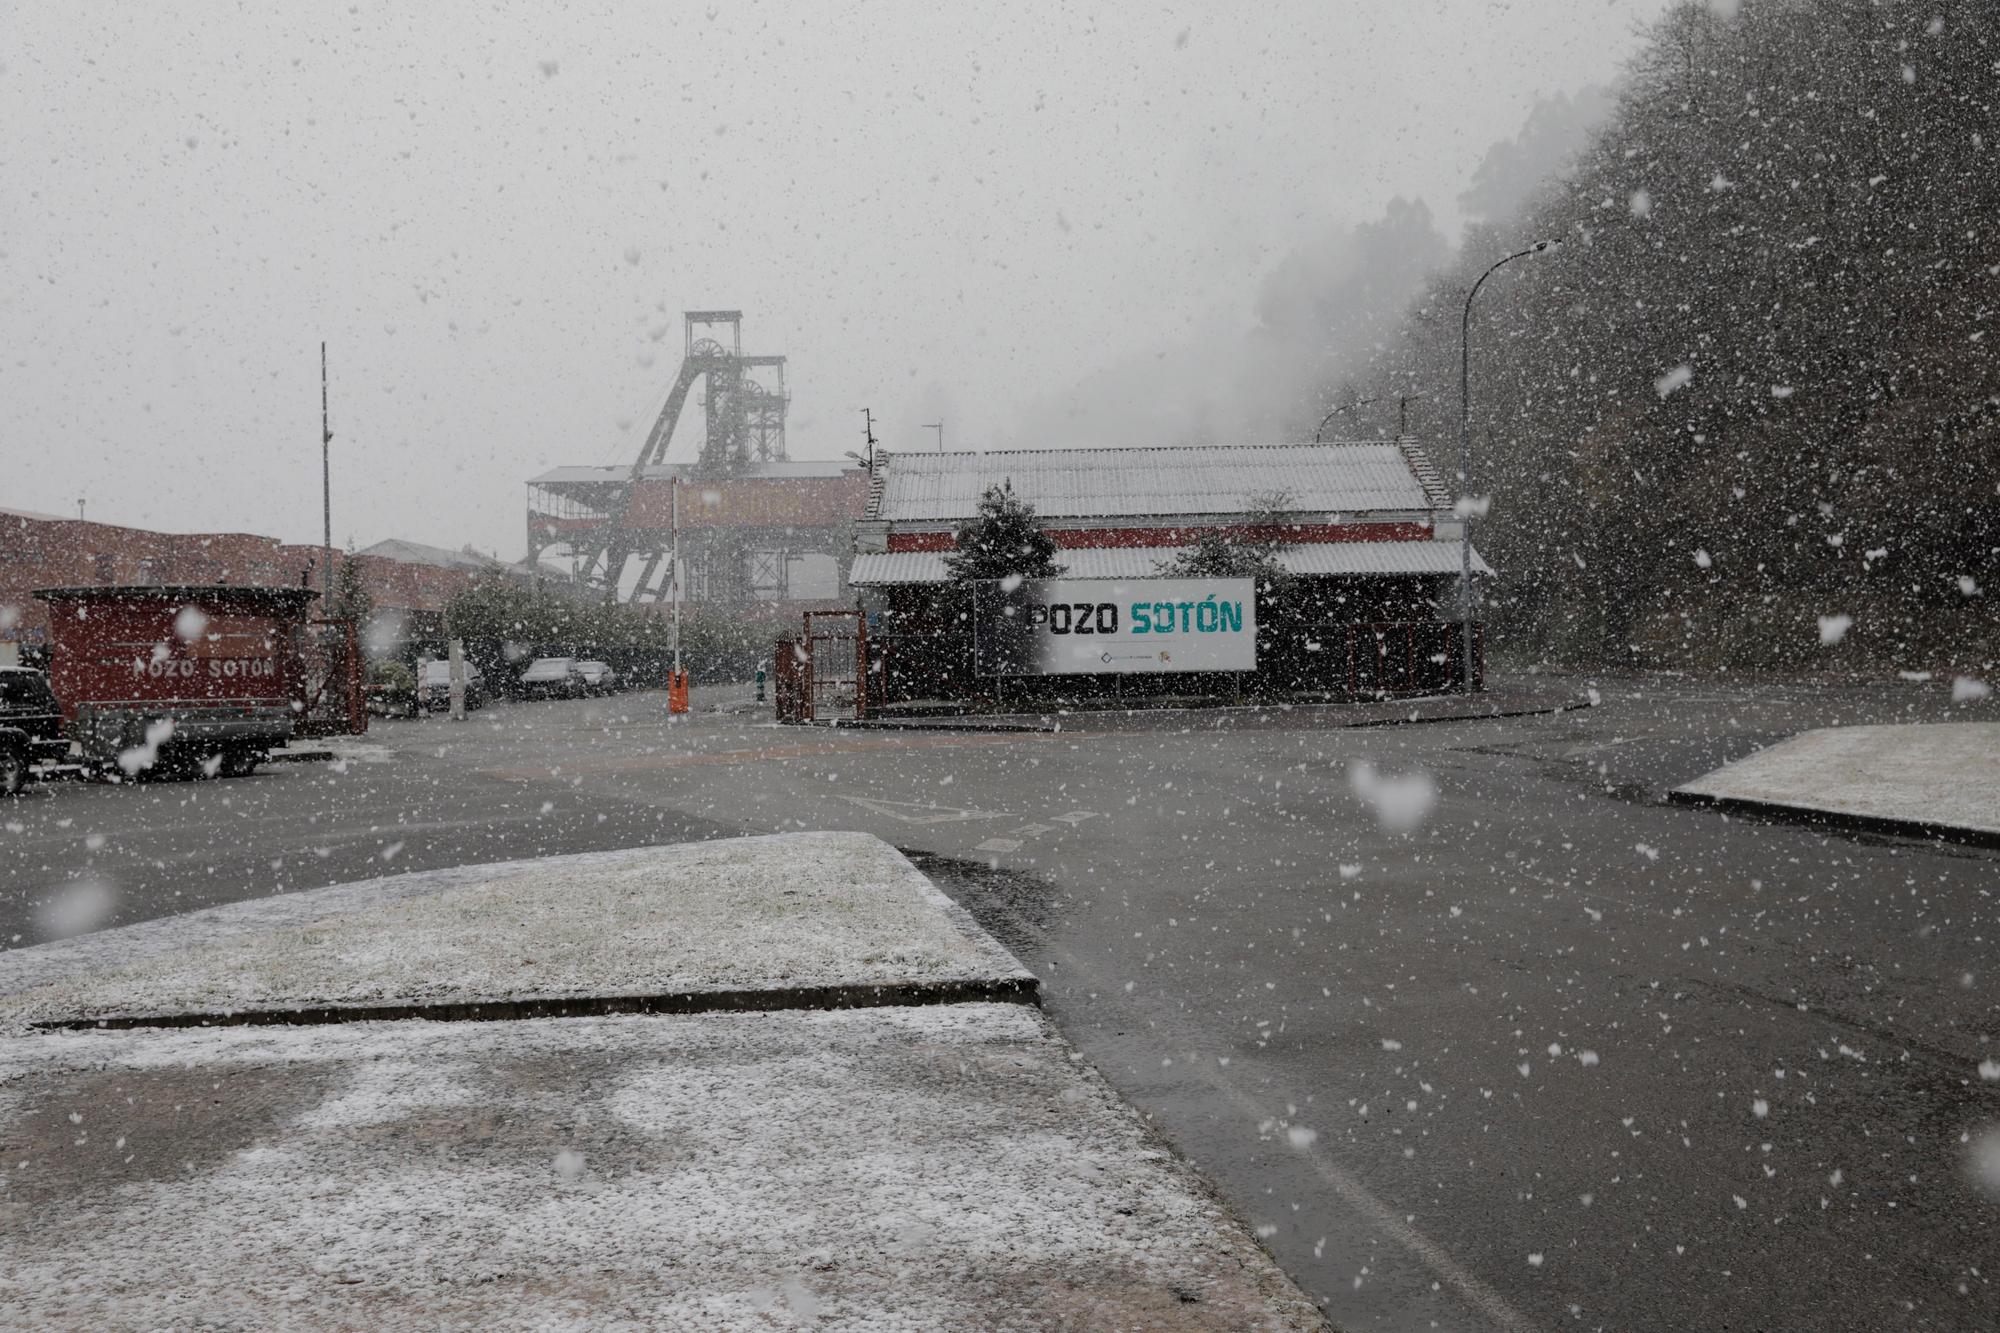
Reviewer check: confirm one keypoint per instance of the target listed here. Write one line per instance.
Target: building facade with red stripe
(1367, 529)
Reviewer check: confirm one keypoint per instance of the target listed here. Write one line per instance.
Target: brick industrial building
(405, 579)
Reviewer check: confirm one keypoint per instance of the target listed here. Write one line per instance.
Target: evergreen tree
(351, 598)
(1002, 541)
(1249, 550)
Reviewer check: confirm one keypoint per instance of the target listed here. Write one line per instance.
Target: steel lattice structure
(745, 511)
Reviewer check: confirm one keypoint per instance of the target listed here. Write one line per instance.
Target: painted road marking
(1074, 817)
(1033, 830)
(916, 812)
(999, 845)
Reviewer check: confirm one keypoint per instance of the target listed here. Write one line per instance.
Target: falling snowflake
(1401, 804)
(77, 907)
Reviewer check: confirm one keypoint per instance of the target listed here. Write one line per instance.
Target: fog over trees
(1753, 389)
(1753, 396)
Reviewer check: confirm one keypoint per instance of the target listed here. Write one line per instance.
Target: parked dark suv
(31, 726)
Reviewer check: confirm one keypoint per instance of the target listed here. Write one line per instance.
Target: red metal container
(226, 666)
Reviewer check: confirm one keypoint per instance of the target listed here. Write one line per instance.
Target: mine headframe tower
(731, 537)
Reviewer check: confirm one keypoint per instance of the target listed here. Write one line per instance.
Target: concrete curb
(1834, 821)
(298, 757)
(952, 724)
(1178, 717)
(997, 990)
(1575, 705)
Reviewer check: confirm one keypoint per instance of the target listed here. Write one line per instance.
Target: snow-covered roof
(1140, 562)
(796, 469)
(1153, 481)
(438, 557)
(416, 553)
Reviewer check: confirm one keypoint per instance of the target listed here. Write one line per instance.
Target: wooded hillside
(1755, 387)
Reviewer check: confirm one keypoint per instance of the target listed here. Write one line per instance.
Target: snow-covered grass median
(1939, 777)
(909, 1168)
(773, 913)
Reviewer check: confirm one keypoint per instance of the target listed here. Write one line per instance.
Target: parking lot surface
(1477, 1029)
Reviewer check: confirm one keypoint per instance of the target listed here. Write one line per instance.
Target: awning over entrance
(1140, 562)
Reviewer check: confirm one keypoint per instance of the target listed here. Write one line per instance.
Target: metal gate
(1406, 657)
(822, 676)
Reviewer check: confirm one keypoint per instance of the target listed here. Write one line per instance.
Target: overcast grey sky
(495, 213)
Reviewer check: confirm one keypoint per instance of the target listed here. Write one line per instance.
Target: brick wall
(47, 552)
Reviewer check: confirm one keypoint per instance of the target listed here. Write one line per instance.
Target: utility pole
(79, 511)
(674, 574)
(326, 492)
(937, 426)
(868, 428)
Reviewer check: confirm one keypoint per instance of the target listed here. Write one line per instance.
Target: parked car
(552, 678)
(435, 692)
(31, 726)
(598, 677)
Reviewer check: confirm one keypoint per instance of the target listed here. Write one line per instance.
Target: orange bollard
(677, 692)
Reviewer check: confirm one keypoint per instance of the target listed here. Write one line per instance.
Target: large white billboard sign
(1070, 627)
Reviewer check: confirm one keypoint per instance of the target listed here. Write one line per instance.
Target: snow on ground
(808, 909)
(1945, 774)
(907, 1168)
(344, 749)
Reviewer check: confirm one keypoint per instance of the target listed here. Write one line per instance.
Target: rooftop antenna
(868, 428)
(79, 509)
(937, 426)
(1403, 412)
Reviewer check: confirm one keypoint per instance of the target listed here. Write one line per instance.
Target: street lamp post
(1344, 407)
(1464, 458)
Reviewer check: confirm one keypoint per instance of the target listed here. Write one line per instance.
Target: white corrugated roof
(416, 553)
(1123, 483)
(786, 470)
(1139, 562)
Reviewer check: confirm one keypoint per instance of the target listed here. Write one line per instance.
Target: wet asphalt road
(1558, 1056)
